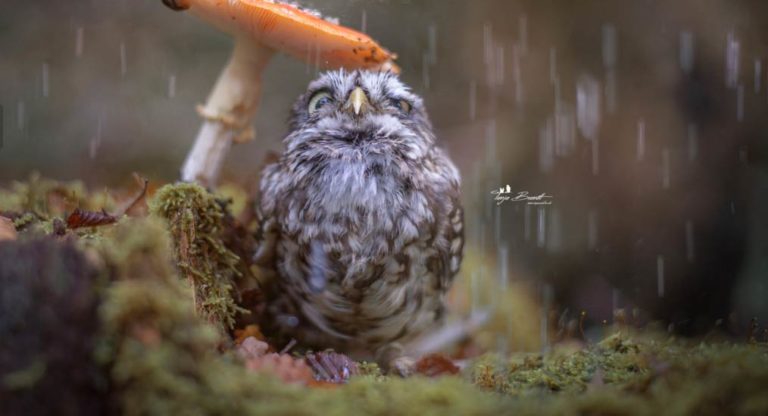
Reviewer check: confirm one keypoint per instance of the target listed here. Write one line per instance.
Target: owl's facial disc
(351, 115)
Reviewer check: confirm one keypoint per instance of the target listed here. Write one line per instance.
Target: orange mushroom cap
(299, 33)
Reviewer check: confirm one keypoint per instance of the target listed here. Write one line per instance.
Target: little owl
(361, 218)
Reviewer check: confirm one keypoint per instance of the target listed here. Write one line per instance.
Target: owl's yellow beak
(357, 102)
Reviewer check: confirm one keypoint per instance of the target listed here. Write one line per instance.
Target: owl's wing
(450, 225)
(453, 231)
(268, 230)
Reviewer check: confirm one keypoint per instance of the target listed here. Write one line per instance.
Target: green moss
(624, 376)
(195, 220)
(45, 198)
(170, 294)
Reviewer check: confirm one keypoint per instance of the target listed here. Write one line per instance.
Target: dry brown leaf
(251, 348)
(7, 230)
(249, 331)
(284, 366)
(434, 365)
(81, 218)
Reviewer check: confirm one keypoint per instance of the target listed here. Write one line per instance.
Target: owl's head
(360, 113)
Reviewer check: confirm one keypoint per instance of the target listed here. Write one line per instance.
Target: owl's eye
(318, 100)
(402, 105)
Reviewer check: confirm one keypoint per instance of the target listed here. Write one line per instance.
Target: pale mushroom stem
(228, 114)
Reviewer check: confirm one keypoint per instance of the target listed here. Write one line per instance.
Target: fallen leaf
(249, 331)
(285, 367)
(81, 218)
(434, 365)
(252, 348)
(7, 230)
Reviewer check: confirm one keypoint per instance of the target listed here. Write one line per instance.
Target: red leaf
(81, 218)
(434, 365)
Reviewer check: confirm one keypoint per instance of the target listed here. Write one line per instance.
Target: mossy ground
(166, 290)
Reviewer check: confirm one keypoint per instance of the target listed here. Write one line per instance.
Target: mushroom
(260, 28)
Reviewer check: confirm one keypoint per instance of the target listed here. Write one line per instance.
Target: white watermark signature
(505, 194)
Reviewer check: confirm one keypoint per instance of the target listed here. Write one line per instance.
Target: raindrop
(472, 100)
(171, 86)
(660, 275)
(46, 79)
(523, 25)
(481, 236)
(552, 65)
(502, 345)
(555, 231)
(308, 58)
(79, 38)
(123, 60)
(611, 91)
(487, 44)
(527, 223)
(499, 65)
(503, 267)
(693, 142)
(541, 235)
(95, 142)
(588, 106)
(595, 158)
(610, 46)
(546, 305)
(425, 70)
(690, 249)
(497, 223)
(732, 61)
(686, 51)
(665, 168)
(517, 75)
(21, 113)
(317, 59)
(432, 43)
(610, 53)
(640, 140)
(547, 146)
(490, 140)
(592, 230)
(364, 21)
(740, 103)
(565, 130)
(758, 75)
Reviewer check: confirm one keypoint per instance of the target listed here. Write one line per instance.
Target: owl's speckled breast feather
(361, 221)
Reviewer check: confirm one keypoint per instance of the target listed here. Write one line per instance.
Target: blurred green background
(643, 119)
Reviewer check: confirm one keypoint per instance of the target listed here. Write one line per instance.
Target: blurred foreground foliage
(134, 317)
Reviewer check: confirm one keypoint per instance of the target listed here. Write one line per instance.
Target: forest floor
(136, 302)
